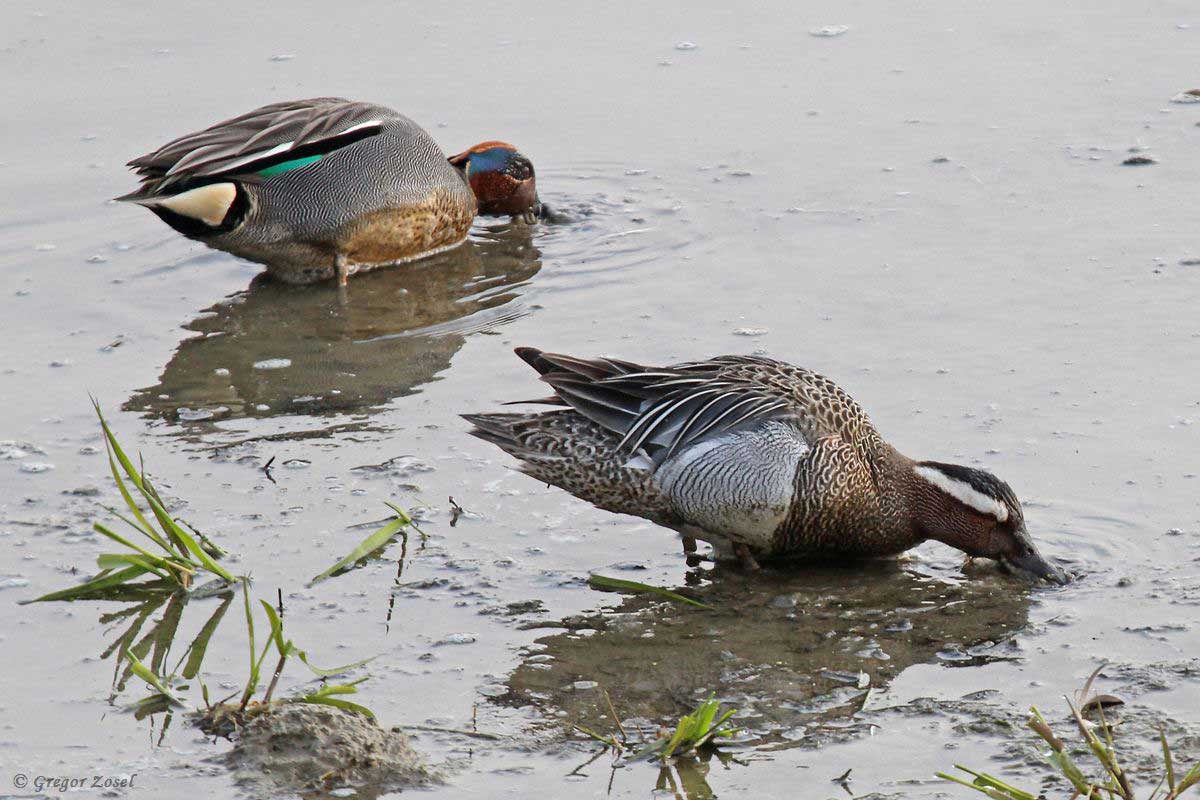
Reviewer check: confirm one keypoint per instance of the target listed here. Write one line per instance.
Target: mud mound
(312, 750)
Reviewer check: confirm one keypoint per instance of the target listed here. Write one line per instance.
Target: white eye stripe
(965, 494)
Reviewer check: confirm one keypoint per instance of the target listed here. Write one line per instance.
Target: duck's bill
(1033, 565)
(533, 213)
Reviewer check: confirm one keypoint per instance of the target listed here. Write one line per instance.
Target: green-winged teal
(323, 188)
(757, 457)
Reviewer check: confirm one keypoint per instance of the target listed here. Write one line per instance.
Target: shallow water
(930, 208)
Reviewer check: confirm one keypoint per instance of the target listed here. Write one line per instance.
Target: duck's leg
(746, 558)
(691, 557)
(342, 265)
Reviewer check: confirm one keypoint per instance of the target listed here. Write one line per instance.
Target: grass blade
(693, 731)
(681, 731)
(113, 447)
(122, 643)
(138, 649)
(986, 784)
(327, 673)
(111, 561)
(706, 713)
(147, 706)
(326, 696)
(199, 645)
(992, 782)
(151, 496)
(617, 584)
(1168, 762)
(607, 741)
(284, 648)
(180, 535)
(252, 678)
(144, 672)
(165, 630)
(124, 613)
(139, 521)
(104, 530)
(1189, 780)
(93, 588)
(345, 705)
(368, 545)
(960, 781)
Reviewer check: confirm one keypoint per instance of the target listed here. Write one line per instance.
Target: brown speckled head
(978, 513)
(501, 178)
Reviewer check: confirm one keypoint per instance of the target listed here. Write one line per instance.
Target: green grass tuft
(376, 541)
(157, 570)
(695, 731)
(1112, 780)
(171, 554)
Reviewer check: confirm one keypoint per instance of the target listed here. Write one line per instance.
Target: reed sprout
(1110, 781)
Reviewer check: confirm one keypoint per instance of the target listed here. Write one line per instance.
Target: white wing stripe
(652, 418)
(250, 159)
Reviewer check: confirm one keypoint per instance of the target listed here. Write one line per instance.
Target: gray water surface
(930, 208)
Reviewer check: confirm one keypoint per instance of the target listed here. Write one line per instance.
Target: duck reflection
(278, 349)
(795, 653)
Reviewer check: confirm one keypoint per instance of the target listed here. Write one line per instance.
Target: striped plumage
(757, 457)
(321, 188)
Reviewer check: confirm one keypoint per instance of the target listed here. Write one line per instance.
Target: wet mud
(315, 751)
(929, 205)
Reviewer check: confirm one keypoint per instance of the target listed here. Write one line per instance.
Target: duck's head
(501, 178)
(978, 513)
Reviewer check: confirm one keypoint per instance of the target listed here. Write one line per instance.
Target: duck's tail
(568, 450)
(209, 204)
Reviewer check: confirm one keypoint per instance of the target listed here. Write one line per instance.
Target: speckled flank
(377, 238)
(390, 235)
(573, 453)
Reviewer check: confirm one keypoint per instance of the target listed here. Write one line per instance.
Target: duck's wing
(262, 138)
(662, 411)
(720, 441)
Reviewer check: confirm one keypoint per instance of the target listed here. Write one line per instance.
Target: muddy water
(931, 208)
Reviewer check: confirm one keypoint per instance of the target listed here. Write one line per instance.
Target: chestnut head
(501, 178)
(978, 513)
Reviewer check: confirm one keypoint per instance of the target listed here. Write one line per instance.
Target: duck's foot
(746, 558)
(691, 557)
(343, 269)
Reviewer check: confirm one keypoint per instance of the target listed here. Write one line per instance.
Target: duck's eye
(521, 170)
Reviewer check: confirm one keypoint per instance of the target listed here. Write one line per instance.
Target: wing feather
(259, 138)
(663, 410)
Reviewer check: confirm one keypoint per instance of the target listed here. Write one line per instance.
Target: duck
(323, 188)
(759, 458)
